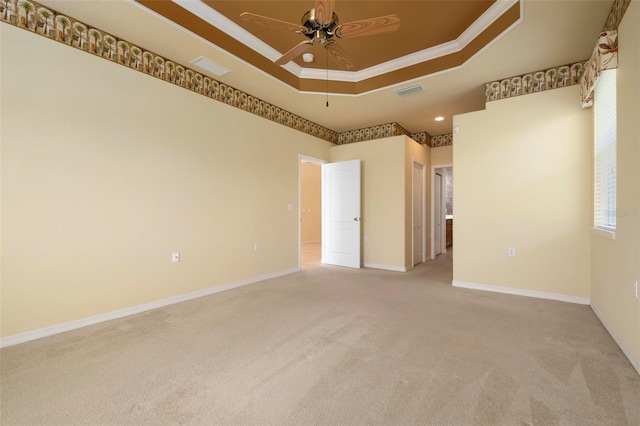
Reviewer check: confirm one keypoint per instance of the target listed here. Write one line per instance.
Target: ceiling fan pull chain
(327, 58)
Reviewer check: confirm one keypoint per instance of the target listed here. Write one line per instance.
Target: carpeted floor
(330, 346)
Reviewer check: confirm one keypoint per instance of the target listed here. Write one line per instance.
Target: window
(604, 182)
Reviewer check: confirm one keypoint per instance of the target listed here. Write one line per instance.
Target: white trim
(313, 160)
(224, 24)
(604, 233)
(294, 65)
(132, 310)
(635, 362)
(520, 292)
(216, 19)
(386, 267)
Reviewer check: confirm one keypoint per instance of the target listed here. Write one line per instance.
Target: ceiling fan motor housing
(317, 31)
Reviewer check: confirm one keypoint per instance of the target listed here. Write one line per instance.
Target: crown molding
(216, 19)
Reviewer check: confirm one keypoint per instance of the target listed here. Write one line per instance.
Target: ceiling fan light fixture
(308, 57)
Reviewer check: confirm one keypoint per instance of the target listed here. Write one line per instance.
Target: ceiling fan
(320, 25)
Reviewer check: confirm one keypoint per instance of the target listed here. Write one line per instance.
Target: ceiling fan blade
(383, 24)
(269, 22)
(339, 56)
(297, 50)
(324, 11)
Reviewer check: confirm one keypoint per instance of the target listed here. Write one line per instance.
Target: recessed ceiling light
(440, 118)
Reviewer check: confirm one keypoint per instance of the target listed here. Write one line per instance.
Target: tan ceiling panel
(423, 25)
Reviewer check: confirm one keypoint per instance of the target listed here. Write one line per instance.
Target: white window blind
(604, 184)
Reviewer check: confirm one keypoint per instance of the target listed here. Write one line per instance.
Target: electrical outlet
(256, 246)
(511, 252)
(175, 257)
(635, 289)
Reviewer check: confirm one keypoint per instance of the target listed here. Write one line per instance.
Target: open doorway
(442, 209)
(310, 213)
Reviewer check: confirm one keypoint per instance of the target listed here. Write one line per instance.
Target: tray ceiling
(434, 36)
(546, 34)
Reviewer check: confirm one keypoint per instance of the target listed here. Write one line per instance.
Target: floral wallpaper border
(394, 129)
(616, 14)
(538, 81)
(373, 132)
(441, 140)
(423, 138)
(604, 57)
(47, 22)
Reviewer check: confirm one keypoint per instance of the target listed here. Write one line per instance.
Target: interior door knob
(355, 219)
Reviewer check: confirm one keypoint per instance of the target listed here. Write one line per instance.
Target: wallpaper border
(534, 82)
(616, 14)
(555, 77)
(47, 22)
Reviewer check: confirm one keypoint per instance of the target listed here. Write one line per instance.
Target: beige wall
(383, 198)
(387, 197)
(442, 155)
(311, 202)
(106, 172)
(616, 263)
(522, 179)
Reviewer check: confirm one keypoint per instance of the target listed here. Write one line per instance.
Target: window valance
(604, 57)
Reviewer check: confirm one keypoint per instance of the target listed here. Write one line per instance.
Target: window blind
(605, 151)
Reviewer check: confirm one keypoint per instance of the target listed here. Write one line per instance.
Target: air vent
(208, 65)
(409, 90)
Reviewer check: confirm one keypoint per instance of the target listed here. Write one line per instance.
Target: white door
(341, 218)
(417, 213)
(437, 216)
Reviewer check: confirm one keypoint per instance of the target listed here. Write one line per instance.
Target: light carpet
(330, 346)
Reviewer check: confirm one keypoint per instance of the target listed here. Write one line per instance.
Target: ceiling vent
(208, 65)
(409, 90)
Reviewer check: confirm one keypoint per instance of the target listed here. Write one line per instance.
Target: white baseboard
(120, 313)
(618, 339)
(519, 292)
(385, 267)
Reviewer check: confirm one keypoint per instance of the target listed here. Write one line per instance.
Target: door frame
(423, 209)
(307, 159)
(434, 167)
